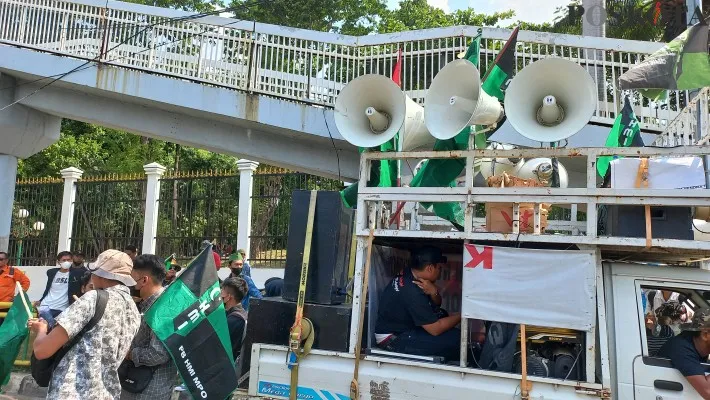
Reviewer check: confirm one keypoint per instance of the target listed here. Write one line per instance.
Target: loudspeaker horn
(550, 100)
(371, 109)
(541, 170)
(496, 166)
(455, 100)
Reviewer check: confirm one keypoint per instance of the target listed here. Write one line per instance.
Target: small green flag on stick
(13, 332)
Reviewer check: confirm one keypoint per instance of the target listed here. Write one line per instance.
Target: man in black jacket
(234, 289)
(62, 284)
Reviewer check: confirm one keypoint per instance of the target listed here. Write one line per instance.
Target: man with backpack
(233, 291)
(97, 331)
(8, 278)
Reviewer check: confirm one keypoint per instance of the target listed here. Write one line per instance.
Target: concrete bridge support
(23, 132)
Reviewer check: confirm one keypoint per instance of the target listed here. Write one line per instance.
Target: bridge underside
(257, 127)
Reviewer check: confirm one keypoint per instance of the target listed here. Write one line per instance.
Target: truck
(610, 360)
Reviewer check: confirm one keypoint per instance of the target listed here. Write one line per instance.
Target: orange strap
(642, 181)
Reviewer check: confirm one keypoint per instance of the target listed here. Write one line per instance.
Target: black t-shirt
(404, 306)
(683, 355)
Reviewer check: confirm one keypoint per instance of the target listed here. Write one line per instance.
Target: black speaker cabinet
(630, 221)
(330, 248)
(271, 318)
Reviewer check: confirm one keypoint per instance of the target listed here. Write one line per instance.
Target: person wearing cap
(246, 269)
(410, 319)
(89, 369)
(236, 264)
(690, 349)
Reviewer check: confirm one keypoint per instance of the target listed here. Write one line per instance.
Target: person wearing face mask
(233, 291)
(63, 283)
(235, 264)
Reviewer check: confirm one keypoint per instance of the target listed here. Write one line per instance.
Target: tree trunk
(263, 214)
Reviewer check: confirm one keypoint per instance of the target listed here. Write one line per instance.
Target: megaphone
(496, 166)
(371, 109)
(550, 100)
(540, 169)
(455, 100)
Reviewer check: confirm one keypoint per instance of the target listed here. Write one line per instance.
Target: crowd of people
(98, 341)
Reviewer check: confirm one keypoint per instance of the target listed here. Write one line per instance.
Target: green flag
(170, 261)
(682, 64)
(626, 132)
(443, 172)
(13, 332)
(190, 320)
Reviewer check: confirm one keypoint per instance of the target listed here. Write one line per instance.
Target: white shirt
(58, 296)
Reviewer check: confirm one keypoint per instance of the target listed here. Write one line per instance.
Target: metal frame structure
(370, 199)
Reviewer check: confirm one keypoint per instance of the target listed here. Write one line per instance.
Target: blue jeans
(421, 343)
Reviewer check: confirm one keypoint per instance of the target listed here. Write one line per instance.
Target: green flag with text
(190, 320)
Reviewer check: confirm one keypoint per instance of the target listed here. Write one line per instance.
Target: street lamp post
(23, 230)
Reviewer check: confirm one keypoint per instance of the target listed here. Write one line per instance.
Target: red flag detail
(657, 13)
(397, 72)
(485, 257)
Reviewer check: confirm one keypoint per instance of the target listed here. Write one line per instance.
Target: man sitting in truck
(410, 319)
(690, 349)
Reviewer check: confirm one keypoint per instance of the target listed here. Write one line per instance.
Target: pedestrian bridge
(257, 91)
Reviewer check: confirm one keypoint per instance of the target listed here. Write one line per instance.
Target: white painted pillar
(152, 195)
(246, 180)
(66, 221)
(8, 175)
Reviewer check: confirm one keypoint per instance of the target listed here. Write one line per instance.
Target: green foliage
(185, 5)
(97, 150)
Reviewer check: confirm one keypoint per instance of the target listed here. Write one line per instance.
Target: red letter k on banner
(485, 257)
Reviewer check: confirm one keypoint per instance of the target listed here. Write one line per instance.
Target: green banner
(189, 318)
(13, 332)
(626, 132)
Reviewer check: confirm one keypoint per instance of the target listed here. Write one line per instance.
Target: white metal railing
(297, 64)
(588, 196)
(692, 125)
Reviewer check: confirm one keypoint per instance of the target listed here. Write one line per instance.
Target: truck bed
(327, 375)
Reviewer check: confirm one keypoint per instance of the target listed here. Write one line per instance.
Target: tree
(353, 17)
(418, 14)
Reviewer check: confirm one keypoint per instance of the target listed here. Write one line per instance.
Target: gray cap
(701, 320)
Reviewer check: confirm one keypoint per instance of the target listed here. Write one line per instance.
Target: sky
(526, 10)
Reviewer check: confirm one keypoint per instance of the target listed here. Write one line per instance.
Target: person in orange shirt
(8, 276)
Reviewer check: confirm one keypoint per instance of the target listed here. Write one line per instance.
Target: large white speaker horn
(496, 166)
(371, 109)
(550, 100)
(455, 100)
(541, 170)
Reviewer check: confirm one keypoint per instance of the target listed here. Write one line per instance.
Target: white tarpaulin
(550, 288)
(663, 173)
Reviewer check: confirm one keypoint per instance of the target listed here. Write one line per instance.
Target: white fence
(692, 126)
(301, 65)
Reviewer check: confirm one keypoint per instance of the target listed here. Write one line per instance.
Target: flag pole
(24, 301)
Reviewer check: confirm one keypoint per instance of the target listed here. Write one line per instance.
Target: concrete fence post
(8, 176)
(66, 221)
(246, 185)
(154, 172)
